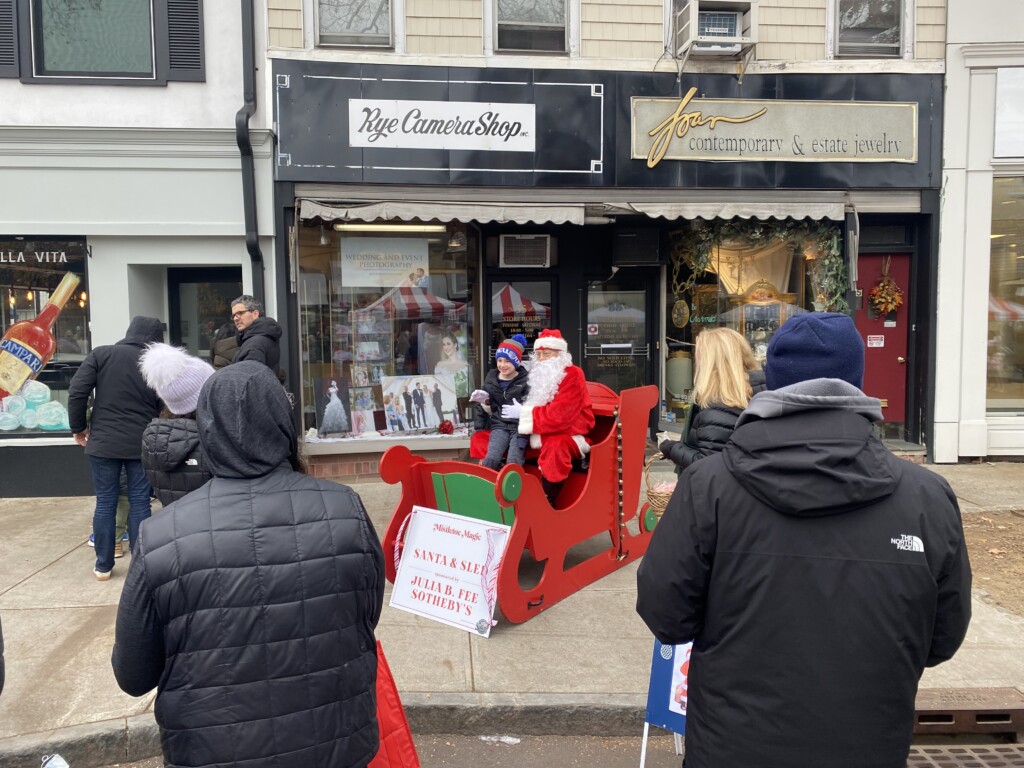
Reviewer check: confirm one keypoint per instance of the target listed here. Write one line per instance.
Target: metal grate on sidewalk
(972, 756)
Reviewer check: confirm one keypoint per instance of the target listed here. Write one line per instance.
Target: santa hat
(175, 376)
(512, 350)
(550, 338)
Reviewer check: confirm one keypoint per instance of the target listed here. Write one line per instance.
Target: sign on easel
(449, 569)
(667, 692)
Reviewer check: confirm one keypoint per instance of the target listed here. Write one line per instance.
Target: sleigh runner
(596, 526)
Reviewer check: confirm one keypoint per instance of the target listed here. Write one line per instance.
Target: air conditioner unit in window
(524, 251)
(727, 25)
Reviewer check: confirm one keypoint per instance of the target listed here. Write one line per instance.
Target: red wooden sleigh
(596, 526)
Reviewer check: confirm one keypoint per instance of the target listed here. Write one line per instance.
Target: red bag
(478, 443)
(397, 749)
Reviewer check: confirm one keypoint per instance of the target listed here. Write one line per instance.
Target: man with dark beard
(557, 413)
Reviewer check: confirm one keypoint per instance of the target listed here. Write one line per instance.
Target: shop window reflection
(387, 332)
(1005, 390)
(30, 270)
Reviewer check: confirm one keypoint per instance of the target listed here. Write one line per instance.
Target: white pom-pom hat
(175, 376)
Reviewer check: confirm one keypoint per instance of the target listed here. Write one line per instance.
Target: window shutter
(8, 39)
(184, 40)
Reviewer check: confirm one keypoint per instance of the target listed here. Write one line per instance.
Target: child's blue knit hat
(512, 350)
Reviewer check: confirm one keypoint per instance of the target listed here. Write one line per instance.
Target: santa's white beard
(545, 377)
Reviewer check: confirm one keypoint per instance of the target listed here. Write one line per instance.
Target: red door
(885, 337)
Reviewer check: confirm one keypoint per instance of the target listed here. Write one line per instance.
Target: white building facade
(979, 365)
(123, 163)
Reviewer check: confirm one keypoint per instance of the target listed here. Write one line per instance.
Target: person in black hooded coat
(816, 573)
(251, 603)
(122, 407)
(727, 377)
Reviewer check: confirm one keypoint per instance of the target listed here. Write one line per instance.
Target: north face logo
(908, 543)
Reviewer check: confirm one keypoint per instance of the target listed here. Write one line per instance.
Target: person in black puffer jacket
(171, 454)
(251, 603)
(727, 377)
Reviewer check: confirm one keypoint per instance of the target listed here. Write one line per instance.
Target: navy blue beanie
(815, 345)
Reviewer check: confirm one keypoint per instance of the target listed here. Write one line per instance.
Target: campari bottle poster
(43, 329)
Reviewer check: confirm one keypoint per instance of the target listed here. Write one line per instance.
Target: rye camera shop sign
(759, 130)
(441, 125)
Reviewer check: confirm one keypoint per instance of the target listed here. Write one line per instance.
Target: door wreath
(886, 296)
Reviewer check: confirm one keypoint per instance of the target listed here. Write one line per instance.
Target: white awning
(407, 210)
(776, 209)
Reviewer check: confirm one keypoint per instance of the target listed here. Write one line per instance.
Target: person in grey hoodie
(816, 573)
(250, 604)
(123, 404)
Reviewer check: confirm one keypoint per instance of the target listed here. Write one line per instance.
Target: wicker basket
(657, 498)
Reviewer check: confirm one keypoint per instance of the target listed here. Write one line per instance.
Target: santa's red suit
(557, 421)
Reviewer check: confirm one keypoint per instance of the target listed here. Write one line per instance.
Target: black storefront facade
(432, 212)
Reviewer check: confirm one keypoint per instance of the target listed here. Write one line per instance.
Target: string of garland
(693, 247)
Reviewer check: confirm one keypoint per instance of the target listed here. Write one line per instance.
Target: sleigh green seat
(471, 496)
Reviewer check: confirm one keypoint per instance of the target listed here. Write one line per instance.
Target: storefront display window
(35, 372)
(1006, 298)
(387, 328)
(752, 276)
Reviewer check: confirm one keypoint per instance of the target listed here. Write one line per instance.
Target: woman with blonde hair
(726, 377)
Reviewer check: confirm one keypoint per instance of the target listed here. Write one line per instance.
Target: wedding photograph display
(364, 403)
(332, 405)
(419, 402)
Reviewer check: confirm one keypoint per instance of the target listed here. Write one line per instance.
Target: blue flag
(666, 695)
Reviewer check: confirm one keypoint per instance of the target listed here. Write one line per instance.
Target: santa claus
(557, 413)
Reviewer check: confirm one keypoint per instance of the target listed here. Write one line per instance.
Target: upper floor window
(354, 22)
(137, 42)
(531, 25)
(870, 29)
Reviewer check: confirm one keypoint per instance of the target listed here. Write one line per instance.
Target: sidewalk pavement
(580, 668)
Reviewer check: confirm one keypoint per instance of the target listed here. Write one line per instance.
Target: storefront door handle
(901, 359)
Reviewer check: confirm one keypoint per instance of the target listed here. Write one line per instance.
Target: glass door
(618, 335)
(519, 306)
(200, 302)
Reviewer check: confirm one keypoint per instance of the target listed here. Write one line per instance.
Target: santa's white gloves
(511, 412)
(479, 396)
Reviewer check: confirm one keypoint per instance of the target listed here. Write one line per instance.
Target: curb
(123, 739)
(544, 714)
(468, 714)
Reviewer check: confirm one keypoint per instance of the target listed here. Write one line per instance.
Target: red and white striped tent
(409, 302)
(1001, 309)
(508, 303)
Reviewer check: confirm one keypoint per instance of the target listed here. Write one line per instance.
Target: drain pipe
(244, 141)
